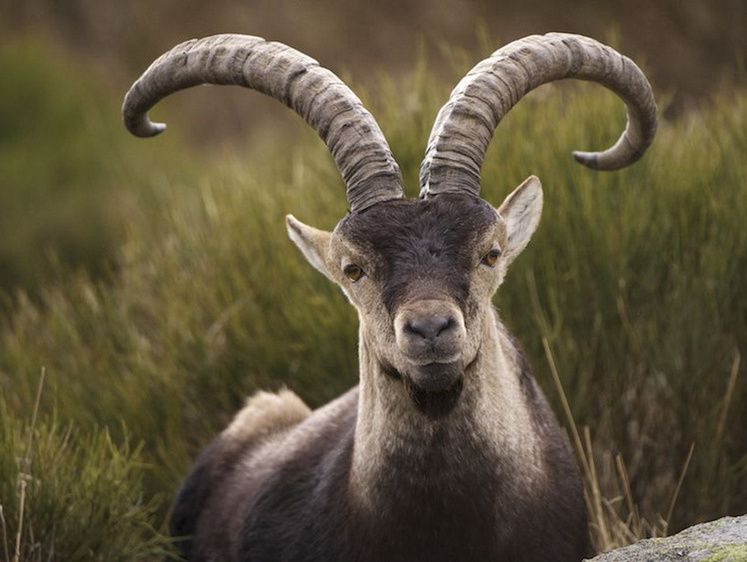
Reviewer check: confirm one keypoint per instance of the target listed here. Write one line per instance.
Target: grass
(70, 180)
(72, 495)
(631, 294)
(615, 519)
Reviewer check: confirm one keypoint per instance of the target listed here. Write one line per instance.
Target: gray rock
(717, 541)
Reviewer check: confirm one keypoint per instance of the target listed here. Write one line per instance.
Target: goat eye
(353, 272)
(491, 257)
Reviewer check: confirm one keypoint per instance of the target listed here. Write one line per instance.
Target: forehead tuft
(446, 219)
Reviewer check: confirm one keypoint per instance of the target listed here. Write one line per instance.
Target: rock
(723, 540)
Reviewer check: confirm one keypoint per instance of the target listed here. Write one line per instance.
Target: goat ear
(521, 210)
(314, 243)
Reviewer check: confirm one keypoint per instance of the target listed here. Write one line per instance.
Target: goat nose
(430, 327)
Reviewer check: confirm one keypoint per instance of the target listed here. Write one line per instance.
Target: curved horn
(350, 132)
(465, 125)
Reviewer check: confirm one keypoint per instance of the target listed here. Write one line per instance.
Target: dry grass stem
(5, 535)
(635, 519)
(597, 506)
(25, 473)
(676, 494)
(566, 407)
(728, 395)
(22, 504)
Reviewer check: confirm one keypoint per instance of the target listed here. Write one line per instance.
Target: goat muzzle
(430, 334)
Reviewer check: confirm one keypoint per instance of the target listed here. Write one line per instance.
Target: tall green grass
(69, 179)
(634, 282)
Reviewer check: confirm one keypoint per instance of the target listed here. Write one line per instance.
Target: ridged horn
(465, 125)
(356, 142)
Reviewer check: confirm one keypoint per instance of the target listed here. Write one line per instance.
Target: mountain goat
(447, 450)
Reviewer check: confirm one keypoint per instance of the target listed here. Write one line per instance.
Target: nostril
(430, 327)
(447, 325)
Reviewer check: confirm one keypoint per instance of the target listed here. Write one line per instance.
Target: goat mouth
(435, 377)
(434, 388)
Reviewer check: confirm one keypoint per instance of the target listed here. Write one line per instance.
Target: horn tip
(141, 126)
(149, 129)
(588, 159)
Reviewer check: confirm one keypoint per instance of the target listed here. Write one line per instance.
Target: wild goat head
(421, 272)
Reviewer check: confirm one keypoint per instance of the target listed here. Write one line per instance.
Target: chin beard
(434, 389)
(434, 404)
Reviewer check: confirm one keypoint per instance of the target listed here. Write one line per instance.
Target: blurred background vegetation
(154, 282)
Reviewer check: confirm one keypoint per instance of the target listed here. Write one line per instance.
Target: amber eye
(353, 272)
(491, 257)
